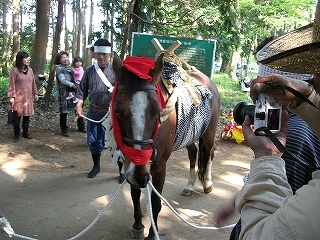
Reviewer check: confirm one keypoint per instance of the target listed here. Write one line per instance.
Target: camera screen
(273, 119)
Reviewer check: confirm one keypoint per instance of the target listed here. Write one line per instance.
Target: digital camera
(266, 113)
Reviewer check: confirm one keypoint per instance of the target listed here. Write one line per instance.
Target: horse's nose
(143, 181)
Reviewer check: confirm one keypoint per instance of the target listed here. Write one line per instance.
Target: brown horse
(147, 145)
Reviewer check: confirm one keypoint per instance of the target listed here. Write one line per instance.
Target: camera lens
(241, 110)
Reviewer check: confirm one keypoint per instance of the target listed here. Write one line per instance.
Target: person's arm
(268, 208)
(12, 87)
(34, 86)
(80, 112)
(78, 72)
(304, 110)
(224, 213)
(82, 93)
(62, 78)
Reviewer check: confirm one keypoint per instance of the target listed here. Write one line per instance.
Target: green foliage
(27, 35)
(4, 82)
(262, 19)
(230, 92)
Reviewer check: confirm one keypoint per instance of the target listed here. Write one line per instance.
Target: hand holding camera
(258, 86)
(266, 113)
(262, 145)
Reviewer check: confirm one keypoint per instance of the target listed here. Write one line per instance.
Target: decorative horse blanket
(192, 120)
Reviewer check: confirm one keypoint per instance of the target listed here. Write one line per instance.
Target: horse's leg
(158, 179)
(207, 183)
(206, 152)
(192, 154)
(137, 227)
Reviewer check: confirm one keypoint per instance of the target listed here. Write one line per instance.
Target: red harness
(140, 67)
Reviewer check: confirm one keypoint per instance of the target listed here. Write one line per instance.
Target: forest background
(44, 27)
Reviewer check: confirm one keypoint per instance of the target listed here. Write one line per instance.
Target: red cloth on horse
(140, 66)
(137, 156)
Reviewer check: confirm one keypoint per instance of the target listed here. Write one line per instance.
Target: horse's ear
(117, 63)
(157, 71)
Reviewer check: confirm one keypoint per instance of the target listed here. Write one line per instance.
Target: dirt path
(45, 194)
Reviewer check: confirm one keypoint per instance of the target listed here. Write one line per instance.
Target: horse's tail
(203, 159)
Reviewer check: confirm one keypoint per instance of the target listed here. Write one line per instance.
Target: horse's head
(135, 112)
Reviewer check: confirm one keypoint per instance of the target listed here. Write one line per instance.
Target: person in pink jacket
(22, 91)
(77, 71)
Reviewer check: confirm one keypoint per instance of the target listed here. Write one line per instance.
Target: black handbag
(12, 116)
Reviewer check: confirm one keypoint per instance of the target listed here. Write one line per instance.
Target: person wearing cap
(268, 207)
(97, 84)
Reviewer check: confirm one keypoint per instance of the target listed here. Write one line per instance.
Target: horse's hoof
(187, 192)
(137, 233)
(208, 189)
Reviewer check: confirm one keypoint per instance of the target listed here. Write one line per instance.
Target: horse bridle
(149, 87)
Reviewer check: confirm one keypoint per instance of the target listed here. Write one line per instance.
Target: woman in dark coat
(64, 83)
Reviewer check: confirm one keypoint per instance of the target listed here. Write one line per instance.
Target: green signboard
(198, 53)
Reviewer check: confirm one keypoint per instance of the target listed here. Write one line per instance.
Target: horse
(138, 99)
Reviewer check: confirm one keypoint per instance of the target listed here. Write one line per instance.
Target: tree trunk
(39, 60)
(112, 13)
(55, 47)
(66, 32)
(79, 28)
(87, 60)
(15, 27)
(126, 31)
(4, 66)
(84, 27)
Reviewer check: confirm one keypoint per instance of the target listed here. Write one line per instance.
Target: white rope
(100, 214)
(151, 215)
(178, 215)
(9, 231)
(97, 121)
(6, 226)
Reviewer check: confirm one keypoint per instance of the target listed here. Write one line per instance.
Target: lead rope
(97, 121)
(154, 228)
(5, 224)
(9, 231)
(178, 215)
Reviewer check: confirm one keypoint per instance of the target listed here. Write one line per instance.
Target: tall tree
(4, 39)
(79, 27)
(86, 58)
(76, 27)
(39, 60)
(126, 30)
(15, 27)
(84, 27)
(66, 31)
(55, 48)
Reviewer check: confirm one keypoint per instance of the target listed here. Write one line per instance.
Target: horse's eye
(117, 113)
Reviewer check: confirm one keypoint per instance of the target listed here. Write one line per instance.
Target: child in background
(77, 71)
